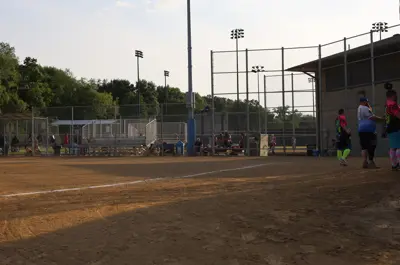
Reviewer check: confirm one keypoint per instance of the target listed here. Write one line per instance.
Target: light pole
(257, 69)
(191, 122)
(312, 81)
(237, 34)
(265, 106)
(380, 27)
(166, 74)
(138, 55)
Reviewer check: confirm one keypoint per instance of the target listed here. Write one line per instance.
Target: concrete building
(365, 77)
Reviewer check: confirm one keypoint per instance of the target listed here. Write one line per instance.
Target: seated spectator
(227, 140)
(241, 141)
(14, 144)
(66, 140)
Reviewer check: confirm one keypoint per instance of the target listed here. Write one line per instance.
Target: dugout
(345, 77)
(19, 130)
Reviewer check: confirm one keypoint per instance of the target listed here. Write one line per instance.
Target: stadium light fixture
(166, 74)
(138, 55)
(258, 69)
(237, 34)
(380, 27)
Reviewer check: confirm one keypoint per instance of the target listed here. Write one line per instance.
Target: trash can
(310, 149)
(180, 148)
(57, 150)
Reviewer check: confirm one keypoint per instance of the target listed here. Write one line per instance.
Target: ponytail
(390, 92)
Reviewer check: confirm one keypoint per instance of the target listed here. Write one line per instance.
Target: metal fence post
(259, 103)
(319, 99)
(314, 106)
(33, 131)
(345, 72)
(247, 104)
(283, 101)
(47, 136)
(293, 128)
(71, 140)
(115, 132)
(162, 129)
(265, 106)
(372, 69)
(212, 105)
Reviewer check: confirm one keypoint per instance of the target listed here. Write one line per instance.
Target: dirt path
(290, 211)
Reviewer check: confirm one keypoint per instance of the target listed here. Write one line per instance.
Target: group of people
(367, 124)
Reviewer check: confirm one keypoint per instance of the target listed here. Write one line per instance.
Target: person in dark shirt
(198, 144)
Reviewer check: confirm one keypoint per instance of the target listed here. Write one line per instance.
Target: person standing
(392, 117)
(367, 132)
(343, 138)
(272, 144)
(294, 144)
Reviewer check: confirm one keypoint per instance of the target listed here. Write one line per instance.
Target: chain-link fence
(23, 134)
(293, 94)
(355, 67)
(267, 99)
(84, 131)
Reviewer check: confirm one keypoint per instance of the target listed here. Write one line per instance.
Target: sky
(97, 38)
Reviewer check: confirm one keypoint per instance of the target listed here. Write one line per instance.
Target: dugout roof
(17, 116)
(82, 122)
(382, 47)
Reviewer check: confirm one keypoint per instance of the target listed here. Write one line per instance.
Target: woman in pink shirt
(392, 116)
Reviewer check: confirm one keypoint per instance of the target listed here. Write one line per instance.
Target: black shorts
(343, 142)
(367, 140)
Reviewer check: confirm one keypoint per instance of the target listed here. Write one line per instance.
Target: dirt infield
(187, 211)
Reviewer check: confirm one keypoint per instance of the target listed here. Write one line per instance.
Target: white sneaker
(343, 162)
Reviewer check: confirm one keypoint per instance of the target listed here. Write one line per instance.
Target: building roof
(17, 116)
(382, 47)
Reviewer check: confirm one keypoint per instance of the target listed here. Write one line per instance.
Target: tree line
(48, 91)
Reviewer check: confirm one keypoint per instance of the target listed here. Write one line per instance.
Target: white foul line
(129, 183)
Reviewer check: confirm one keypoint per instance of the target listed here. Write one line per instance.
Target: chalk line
(131, 182)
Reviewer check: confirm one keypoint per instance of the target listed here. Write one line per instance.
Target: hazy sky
(96, 38)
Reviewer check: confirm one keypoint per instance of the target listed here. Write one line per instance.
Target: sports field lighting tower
(237, 34)
(258, 69)
(138, 55)
(380, 27)
(166, 74)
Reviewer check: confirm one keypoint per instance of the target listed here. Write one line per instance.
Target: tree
(148, 92)
(39, 95)
(31, 72)
(9, 75)
(129, 107)
(104, 106)
(118, 88)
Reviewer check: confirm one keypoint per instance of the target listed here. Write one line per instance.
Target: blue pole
(191, 122)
